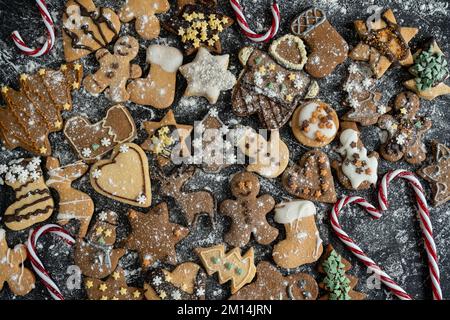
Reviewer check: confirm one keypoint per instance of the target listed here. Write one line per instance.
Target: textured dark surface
(394, 241)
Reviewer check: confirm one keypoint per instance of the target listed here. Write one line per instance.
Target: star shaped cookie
(113, 288)
(438, 174)
(154, 236)
(383, 43)
(207, 75)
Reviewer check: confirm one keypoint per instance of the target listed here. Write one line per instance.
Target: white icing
(347, 137)
(169, 58)
(288, 212)
(306, 113)
(2, 234)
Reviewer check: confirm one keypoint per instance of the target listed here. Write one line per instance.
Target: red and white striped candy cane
(237, 8)
(37, 264)
(425, 222)
(49, 43)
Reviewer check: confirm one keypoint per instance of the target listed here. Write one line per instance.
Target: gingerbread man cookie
(115, 70)
(248, 212)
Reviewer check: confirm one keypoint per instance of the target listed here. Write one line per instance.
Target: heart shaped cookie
(124, 177)
(289, 51)
(311, 179)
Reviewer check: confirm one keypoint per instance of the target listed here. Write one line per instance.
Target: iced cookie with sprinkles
(270, 284)
(289, 51)
(311, 178)
(404, 130)
(315, 124)
(358, 168)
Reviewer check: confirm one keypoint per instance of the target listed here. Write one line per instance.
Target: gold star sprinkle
(196, 43)
(77, 66)
(204, 36)
(292, 77)
(104, 298)
(43, 150)
(89, 284)
(224, 20)
(116, 275)
(168, 277)
(76, 85)
(194, 15)
(181, 31)
(187, 17)
(99, 231)
(123, 291)
(115, 298)
(23, 77)
(136, 294)
(201, 15)
(5, 89)
(108, 233)
(216, 37)
(394, 126)
(163, 295)
(66, 106)
(42, 72)
(272, 67)
(211, 42)
(262, 70)
(403, 110)
(58, 124)
(64, 67)
(103, 287)
(289, 98)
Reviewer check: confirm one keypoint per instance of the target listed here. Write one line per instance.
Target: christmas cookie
(315, 124)
(34, 111)
(311, 178)
(303, 243)
(248, 212)
(327, 48)
(231, 266)
(124, 177)
(158, 89)
(289, 51)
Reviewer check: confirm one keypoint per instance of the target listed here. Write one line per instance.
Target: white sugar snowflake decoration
(280, 77)
(353, 68)
(354, 103)
(86, 152)
(367, 83)
(31, 166)
(124, 148)
(106, 142)
(258, 79)
(200, 292)
(401, 139)
(176, 295)
(97, 173)
(16, 169)
(298, 83)
(36, 161)
(141, 199)
(34, 175)
(214, 113)
(9, 177)
(23, 176)
(381, 109)
(3, 168)
(103, 216)
(157, 281)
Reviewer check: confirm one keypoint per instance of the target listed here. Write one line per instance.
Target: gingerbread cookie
(95, 254)
(199, 25)
(20, 280)
(73, 204)
(268, 157)
(186, 282)
(327, 48)
(311, 178)
(160, 246)
(270, 284)
(166, 139)
(115, 287)
(269, 90)
(231, 266)
(87, 28)
(192, 203)
(124, 177)
(143, 11)
(34, 111)
(337, 282)
(115, 70)
(33, 203)
(404, 131)
(248, 212)
(383, 42)
(438, 174)
(207, 76)
(158, 89)
(303, 243)
(430, 70)
(362, 97)
(92, 141)
(315, 124)
(358, 169)
(289, 51)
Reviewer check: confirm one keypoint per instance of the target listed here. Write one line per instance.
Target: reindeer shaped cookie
(73, 204)
(191, 203)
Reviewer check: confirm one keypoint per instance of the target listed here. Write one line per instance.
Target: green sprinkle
(215, 260)
(270, 85)
(228, 265)
(239, 271)
(258, 60)
(95, 146)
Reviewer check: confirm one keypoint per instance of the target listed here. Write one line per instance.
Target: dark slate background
(394, 241)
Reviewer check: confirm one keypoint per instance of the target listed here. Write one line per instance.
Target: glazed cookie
(158, 89)
(438, 173)
(430, 70)
(315, 124)
(311, 178)
(207, 76)
(289, 51)
(20, 280)
(192, 203)
(95, 255)
(124, 177)
(248, 212)
(87, 28)
(327, 47)
(231, 266)
(404, 131)
(115, 70)
(73, 204)
(383, 42)
(143, 11)
(358, 169)
(115, 287)
(303, 243)
(270, 284)
(33, 203)
(165, 235)
(33, 112)
(92, 141)
(269, 90)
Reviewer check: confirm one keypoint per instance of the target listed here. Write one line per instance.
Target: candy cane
(237, 8)
(48, 45)
(37, 264)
